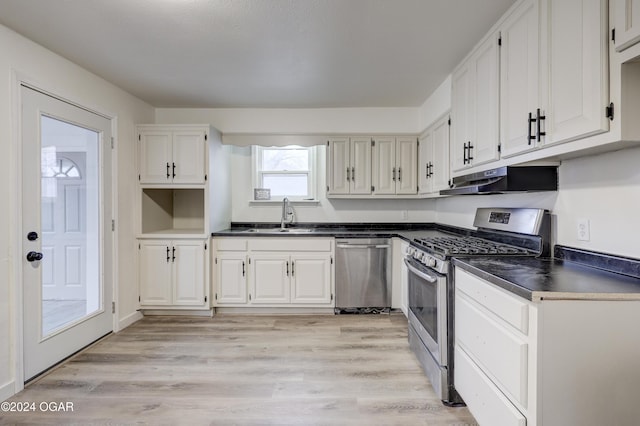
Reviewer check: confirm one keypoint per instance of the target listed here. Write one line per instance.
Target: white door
(519, 98)
(360, 166)
(311, 278)
(189, 273)
(155, 257)
(188, 163)
(407, 163)
(384, 166)
(578, 78)
(627, 23)
(462, 116)
(439, 170)
(154, 156)
(338, 166)
(66, 211)
(232, 278)
(486, 65)
(270, 278)
(425, 162)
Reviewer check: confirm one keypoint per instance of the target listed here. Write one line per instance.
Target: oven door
(428, 308)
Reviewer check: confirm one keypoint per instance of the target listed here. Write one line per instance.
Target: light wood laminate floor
(246, 370)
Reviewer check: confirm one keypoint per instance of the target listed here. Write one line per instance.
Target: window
(287, 171)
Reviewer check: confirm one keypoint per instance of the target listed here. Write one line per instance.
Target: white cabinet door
(462, 115)
(188, 261)
(189, 160)
(338, 166)
(311, 278)
(155, 272)
(360, 166)
(519, 79)
(425, 162)
(578, 61)
(384, 166)
(231, 278)
(484, 104)
(154, 156)
(270, 278)
(474, 108)
(439, 170)
(407, 164)
(627, 23)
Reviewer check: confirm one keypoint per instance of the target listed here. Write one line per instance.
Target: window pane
(286, 184)
(285, 159)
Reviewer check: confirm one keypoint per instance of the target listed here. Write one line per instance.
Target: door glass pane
(70, 182)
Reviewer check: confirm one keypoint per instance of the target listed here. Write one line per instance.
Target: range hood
(506, 179)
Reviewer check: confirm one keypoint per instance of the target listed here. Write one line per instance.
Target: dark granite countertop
(406, 231)
(537, 279)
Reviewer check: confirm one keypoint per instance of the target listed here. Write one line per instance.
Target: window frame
(312, 172)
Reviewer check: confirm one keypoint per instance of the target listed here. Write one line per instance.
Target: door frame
(16, 311)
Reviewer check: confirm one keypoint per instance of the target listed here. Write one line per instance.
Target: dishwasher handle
(363, 246)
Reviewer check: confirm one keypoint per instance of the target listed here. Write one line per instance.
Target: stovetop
(467, 245)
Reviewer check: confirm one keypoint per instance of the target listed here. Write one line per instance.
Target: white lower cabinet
(550, 362)
(400, 276)
(231, 276)
(173, 274)
(273, 272)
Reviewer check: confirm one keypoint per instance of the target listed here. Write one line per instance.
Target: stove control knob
(431, 262)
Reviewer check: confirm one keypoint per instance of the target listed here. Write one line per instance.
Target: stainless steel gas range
(500, 232)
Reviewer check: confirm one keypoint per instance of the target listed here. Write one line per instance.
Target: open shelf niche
(173, 211)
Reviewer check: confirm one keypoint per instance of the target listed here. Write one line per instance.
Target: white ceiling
(262, 53)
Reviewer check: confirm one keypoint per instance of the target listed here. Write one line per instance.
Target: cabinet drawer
(500, 352)
(512, 309)
(231, 244)
(487, 404)
(290, 244)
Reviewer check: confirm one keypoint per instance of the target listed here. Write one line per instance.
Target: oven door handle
(421, 274)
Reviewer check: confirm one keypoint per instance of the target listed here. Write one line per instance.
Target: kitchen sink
(279, 230)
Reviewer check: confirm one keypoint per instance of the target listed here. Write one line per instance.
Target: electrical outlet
(404, 215)
(583, 229)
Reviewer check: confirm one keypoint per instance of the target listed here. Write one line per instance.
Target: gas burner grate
(468, 246)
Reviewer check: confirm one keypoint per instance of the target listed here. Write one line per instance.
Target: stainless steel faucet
(287, 213)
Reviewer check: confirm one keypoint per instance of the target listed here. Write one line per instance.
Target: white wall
(301, 120)
(436, 105)
(65, 79)
(328, 210)
(605, 189)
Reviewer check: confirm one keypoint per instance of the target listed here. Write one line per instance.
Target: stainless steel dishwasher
(363, 275)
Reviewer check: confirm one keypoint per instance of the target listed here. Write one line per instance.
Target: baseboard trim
(275, 311)
(128, 320)
(7, 390)
(171, 312)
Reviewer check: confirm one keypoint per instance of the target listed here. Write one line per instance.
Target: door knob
(32, 256)
(32, 236)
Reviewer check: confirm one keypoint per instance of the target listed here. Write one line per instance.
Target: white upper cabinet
(360, 182)
(407, 164)
(433, 158)
(627, 23)
(395, 161)
(554, 74)
(577, 55)
(349, 166)
(172, 155)
(474, 108)
(519, 80)
(384, 165)
(338, 166)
